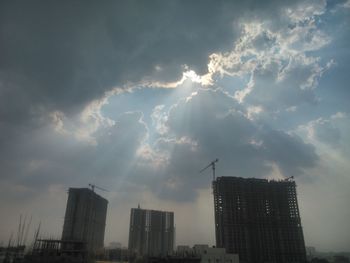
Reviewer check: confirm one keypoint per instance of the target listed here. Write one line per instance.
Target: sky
(138, 96)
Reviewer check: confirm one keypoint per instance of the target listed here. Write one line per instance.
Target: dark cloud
(212, 125)
(278, 94)
(331, 131)
(59, 56)
(47, 158)
(206, 125)
(326, 132)
(67, 54)
(290, 152)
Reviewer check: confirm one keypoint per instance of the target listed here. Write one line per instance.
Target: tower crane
(97, 187)
(212, 164)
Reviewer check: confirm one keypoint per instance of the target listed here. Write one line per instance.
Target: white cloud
(325, 132)
(83, 125)
(213, 124)
(241, 94)
(159, 119)
(253, 111)
(339, 115)
(329, 183)
(270, 56)
(306, 10)
(347, 4)
(280, 73)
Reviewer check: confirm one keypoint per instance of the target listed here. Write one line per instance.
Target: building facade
(85, 218)
(151, 232)
(259, 220)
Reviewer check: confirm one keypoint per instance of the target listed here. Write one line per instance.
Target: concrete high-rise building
(85, 218)
(259, 220)
(151, 232)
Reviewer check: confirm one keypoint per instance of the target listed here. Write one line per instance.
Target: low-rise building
(208, 254)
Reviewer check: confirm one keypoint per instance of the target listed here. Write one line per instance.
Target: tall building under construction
(85, 218)
(151, 232)
(259, 220)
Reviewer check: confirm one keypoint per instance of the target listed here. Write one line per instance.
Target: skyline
(137, 98)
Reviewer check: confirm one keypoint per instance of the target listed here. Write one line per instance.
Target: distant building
(12, 253)
(184, 250)
(169, 259)
(113, 245)
(259, 220)
(151, 232)
(207, 254)
(310, 252)
(118, 255)
(340, 259)
(214, 254)
(85, 218)
(57, 251)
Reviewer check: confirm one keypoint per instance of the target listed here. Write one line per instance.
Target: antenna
(212, 164)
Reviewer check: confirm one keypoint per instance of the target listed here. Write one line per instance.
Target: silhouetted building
(258, 219)
(12, 253)
(169, 259)
(151, 232)
(207, 254)
(340, 259)
(119, 254)
(57, 251)
(85, 218)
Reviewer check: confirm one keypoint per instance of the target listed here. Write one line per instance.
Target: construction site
(82, 237)
(256, 221)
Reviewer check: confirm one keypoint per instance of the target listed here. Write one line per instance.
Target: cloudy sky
(138, 96)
